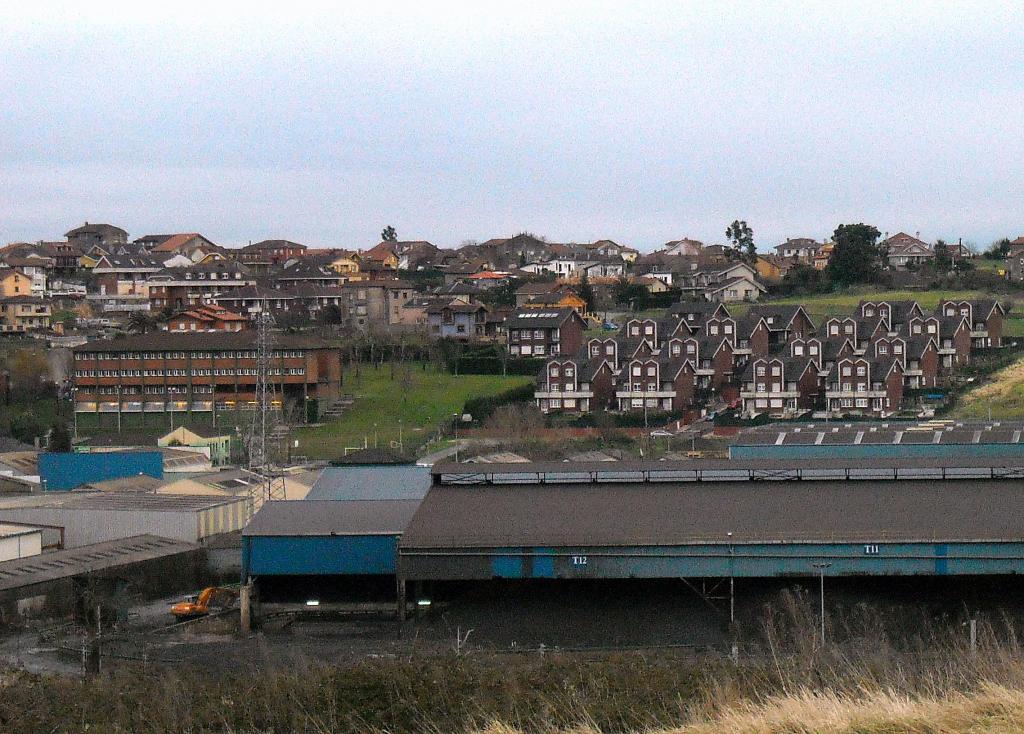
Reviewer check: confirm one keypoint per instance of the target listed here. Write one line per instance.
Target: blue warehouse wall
(61, 472)
(743, 560)
(319, 555)
(875, 451)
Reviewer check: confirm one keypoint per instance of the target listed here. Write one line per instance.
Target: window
(675, 350)
(847, 328)
(713, 329)
(727, 328)
(861, 370)
(649, 330)
(634, 330)
(760, 370)
(609, 349)
(594, 350)
(569, 372)
(897, 349)
(652, 371)
(636, 370)
(691, 348)
(554, 372)
(776, 371)
(833, 329)
(883, 348)
(798, 350)
(846, 371)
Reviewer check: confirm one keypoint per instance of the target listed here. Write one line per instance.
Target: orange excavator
(212, 598)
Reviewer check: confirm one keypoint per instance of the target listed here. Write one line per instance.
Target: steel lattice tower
(263, 419)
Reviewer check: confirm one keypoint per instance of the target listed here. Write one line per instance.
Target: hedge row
(482, 408)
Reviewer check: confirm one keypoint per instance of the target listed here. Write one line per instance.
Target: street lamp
(821, 573)
(455, 430)
(732, 577)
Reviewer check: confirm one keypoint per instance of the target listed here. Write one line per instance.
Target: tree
(998, 250)
(586, 292)
(742, 238)
(60, 439)
(857, 258)
(141, 321)
(26, 427)
(626, 292)
(30, 373)
(330, 315)
(388, 234)
(943, 261)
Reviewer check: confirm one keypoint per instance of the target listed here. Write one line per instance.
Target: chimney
(917, 234)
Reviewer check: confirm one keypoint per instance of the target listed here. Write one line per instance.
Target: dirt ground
(506, 618)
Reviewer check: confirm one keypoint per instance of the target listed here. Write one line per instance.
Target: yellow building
(19, 314)
(822, 256)
(768, 268)
(13, 282)
(559, 299)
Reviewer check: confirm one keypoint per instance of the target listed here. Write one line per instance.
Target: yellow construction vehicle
(211, 598)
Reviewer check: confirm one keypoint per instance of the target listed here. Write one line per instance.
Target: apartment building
(205, 372)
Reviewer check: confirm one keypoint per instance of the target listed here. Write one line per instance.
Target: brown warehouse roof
(453, 516)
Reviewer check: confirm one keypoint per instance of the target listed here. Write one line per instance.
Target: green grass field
(1001, 395)
(430, 397)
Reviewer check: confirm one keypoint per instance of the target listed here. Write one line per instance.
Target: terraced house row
(771, 359)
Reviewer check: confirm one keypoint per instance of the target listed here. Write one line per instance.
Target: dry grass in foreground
(994, 709)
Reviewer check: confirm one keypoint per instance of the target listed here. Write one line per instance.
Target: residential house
(780, 385)
(207, 317)
(96, 234)
(263, 255)
(307, 272)
(374, 304)
(985, 317)
(580, 384)
(181, 288)
(21, 314)
(684, 248)
(253, 299)
(13, 282)
(656, 383)
(537, 332)
(861, 385)
(460, 320)
(823, 255)
(906, 252)
(558, 299)
(736, 289)
(798, 250)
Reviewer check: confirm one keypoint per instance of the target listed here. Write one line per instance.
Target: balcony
(578, 394)
(630, 394)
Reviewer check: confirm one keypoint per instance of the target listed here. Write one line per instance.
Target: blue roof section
(371, 482)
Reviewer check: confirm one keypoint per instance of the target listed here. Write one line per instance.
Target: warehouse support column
(245, 607)
(400, 599)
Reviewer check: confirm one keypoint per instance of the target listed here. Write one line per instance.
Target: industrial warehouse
(700, 520)
(498, 543)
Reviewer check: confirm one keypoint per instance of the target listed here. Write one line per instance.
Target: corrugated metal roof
(371, 482)
(329, 517)
(123, 501)
(589, 515)
(87, 558)
(886, 432)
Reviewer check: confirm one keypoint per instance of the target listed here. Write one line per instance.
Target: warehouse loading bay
(674, 555)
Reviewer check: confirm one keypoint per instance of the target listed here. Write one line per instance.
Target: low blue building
(348, 525)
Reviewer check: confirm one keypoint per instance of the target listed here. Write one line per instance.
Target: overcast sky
(636, 122)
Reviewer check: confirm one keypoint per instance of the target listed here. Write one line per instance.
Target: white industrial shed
(101, 517)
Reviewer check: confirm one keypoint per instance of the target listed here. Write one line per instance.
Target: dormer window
(713, 329)
(798, 350)
(812, 349)
(897, 349)
(634, 330)
(833, 329)
(869, 312)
